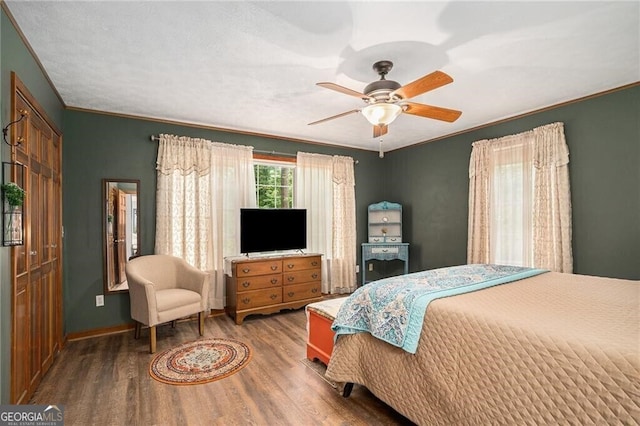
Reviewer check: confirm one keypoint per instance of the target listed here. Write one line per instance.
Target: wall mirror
(121, 225)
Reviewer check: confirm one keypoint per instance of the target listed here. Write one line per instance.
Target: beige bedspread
(551, 349)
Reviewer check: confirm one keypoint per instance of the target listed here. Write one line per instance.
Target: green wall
(430, 180)
(14, 56)
(100, 146)
(603, 135)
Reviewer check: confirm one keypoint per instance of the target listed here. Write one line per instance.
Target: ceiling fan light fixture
(382, 113)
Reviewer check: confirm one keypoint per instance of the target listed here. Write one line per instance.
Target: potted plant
(13, 194)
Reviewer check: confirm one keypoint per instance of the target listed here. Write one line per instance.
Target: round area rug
(201, 361)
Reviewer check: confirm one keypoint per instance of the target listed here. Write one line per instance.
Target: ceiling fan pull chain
(381, 152)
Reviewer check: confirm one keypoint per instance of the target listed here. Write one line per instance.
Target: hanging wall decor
(13, 196)
(5, 131)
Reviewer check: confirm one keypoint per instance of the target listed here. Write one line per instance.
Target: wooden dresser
(265, 285)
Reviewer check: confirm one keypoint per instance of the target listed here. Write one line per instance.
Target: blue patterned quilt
(393, 309)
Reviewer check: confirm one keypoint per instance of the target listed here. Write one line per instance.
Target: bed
(547, 349)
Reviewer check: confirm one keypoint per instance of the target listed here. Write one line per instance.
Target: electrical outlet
(371, 266)
(99, 300)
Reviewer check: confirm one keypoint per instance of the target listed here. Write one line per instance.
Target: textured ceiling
(253, 66)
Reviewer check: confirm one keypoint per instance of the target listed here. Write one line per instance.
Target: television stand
(264, 285)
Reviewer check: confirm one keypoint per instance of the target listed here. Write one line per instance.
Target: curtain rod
(155, 138)
(281, 154)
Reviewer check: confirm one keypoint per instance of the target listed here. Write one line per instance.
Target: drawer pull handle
(273, 296)
(246, 300)
(385, 250)
(274, 267)
(246, 284)
(290, 265)
(314, 290)
(314, 263)
(274, 281)
(290, 294)
(246, 270)
(314, 276)
(290, 278)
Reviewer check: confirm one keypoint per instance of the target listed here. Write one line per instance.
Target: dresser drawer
(379, 250)
(301, 277)
(384, 239)
(301, 291)
(263, 267)
(257, 298)
(258, 282)
(300, 263)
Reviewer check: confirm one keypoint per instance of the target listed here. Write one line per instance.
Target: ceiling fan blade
(429, 111)
(428, 82)
(343, 89)
(334, 116)
(380, 130)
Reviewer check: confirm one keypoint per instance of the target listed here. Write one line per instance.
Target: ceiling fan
(386, 99)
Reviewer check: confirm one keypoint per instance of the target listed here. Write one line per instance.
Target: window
(519, 200)
(511, 214)
(274, 184)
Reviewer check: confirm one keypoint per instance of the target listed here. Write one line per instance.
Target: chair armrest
(196, 280)
(142, 295)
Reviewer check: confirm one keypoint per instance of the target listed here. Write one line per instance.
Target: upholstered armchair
(164, 289)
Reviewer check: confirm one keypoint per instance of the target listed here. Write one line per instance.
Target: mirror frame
(108, 225)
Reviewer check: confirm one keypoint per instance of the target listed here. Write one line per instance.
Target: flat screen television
(263, 230)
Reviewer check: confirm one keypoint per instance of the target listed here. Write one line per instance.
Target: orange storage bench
(320, 316)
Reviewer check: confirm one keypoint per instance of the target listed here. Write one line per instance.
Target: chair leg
(201, 322)
(136, 333)
(152, 339)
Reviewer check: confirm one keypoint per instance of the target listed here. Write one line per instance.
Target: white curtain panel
(314, 192)
(552, 229)
(233, 186)
(183, 192)
(200, 189)
(519, 200)
(325, 186)
(343, 264)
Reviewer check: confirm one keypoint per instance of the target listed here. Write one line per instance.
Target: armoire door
(36, 272)
(120, 209)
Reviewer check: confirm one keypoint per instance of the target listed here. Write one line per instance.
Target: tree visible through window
(274, 184)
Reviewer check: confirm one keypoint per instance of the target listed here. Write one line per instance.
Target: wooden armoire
(36, 266)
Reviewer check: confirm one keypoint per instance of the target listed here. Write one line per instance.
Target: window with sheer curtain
(519, 200)
(201, 186)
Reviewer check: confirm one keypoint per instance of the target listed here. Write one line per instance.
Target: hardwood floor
(105, 381)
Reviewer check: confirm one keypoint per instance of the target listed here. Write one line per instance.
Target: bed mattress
(551, 349)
